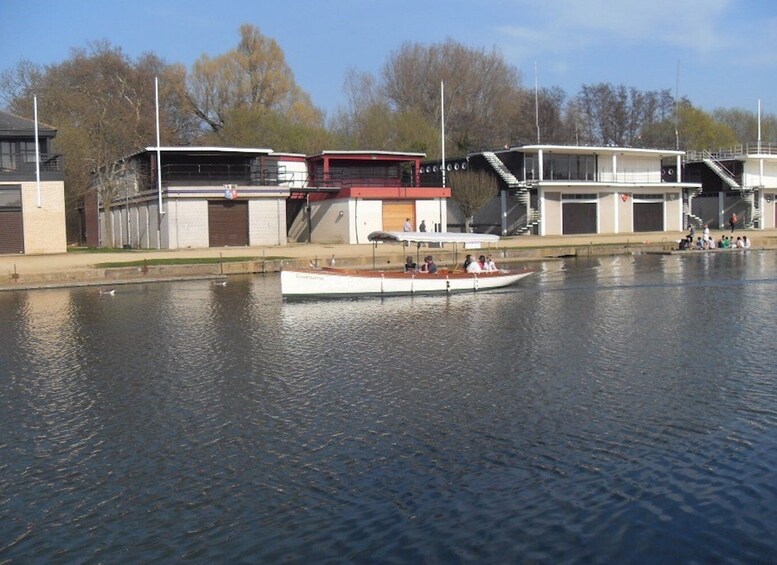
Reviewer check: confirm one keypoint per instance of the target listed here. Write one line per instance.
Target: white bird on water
(110, 292)
(220, 283)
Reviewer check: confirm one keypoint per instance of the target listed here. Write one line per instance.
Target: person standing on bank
(732, 222)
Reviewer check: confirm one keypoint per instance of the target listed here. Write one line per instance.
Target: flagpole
(158, 148)
(158, 168)
(442, 127)
(37, 148)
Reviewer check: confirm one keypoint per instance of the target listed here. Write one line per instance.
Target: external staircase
(523, 191)
(720, 170)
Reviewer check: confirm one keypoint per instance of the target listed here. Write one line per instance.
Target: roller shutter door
(228, 223)
(11, 232)
(648, 216)
(579, 217)
(395, 214)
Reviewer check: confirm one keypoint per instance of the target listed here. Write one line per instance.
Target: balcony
(21, 167)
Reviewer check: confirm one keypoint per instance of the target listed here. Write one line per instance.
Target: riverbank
(96, 268)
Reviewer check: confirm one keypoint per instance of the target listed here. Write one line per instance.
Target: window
(7, 154)
(10, 197)
(27, 151)
(569, 167)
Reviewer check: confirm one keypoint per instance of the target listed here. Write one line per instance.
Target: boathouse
(194, 197)
(32, 188)
(565, 190)
(740, 180)
(350, 194)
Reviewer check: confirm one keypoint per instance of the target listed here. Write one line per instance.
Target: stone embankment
(81, 268)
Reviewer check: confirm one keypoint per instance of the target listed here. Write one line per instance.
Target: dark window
(7, 156)
(568, 167)
(10, 197)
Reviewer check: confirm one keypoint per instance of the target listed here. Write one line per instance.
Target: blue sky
(726, 49)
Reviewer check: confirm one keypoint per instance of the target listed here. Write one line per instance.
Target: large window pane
(10, 197)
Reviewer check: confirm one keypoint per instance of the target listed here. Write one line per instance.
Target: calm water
(619, 410)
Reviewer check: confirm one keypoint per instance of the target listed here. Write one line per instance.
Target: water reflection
(598, 410)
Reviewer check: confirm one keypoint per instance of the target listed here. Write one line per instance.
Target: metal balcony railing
(24, 162)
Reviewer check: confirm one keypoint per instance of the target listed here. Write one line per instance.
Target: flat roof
(209, 149)
(369, 152)
(587, 149)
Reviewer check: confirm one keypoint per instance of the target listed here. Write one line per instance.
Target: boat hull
(347, 282)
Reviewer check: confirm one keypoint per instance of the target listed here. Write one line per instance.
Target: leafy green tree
(252, 80)
(699, 130)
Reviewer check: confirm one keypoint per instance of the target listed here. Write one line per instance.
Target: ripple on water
(581, 416)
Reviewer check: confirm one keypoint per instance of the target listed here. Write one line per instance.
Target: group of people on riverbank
(706, 241)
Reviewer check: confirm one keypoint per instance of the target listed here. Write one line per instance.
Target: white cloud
(701, 26)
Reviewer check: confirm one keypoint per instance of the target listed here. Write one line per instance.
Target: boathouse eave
(613, 185)
(590, 150)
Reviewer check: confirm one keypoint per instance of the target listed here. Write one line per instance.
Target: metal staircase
(523, 193)
(501, 169)
(749, 196)
(725, 175)
(693, 219)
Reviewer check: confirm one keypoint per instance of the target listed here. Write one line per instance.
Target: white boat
(332, 282)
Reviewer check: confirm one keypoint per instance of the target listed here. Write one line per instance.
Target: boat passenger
(429, 265)
(740, 244)
(745, 242)
(410, 266)
(467, 261)
(482, 261)
(490, 265)
(474, 267)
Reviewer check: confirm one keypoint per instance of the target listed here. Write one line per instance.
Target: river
(611, 410)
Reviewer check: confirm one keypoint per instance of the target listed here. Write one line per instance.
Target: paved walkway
(75, 261)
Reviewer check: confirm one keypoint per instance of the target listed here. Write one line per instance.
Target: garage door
(395, 214)
(579, 217)
(228, 223)
(11, 228)
(648, 216)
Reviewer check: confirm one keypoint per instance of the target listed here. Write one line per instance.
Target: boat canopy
(431, 237)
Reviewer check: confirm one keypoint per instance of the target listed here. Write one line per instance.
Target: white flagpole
(158, 169)
(536, 103)
(37, 148)
(442, 127)
(158, 149)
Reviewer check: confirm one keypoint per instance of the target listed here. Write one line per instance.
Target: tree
(251, 80)
(544, 109)
(699, 130)
(610, 115)
(481, 91)
(102, 105)
(471, 191)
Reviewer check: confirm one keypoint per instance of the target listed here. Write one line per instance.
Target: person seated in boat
(467, 261)
(482, 261)
(745, 242)
(490, 265)
(429, 265)
(410, 265)
(474, 267)
(739, 244)
(699, 243)
(682, 244)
